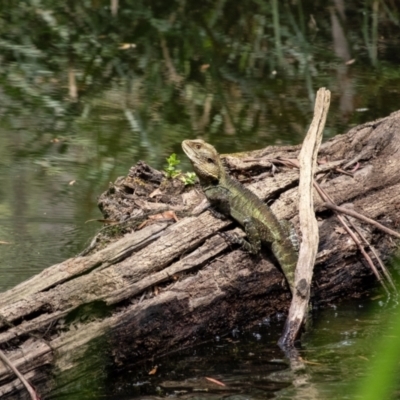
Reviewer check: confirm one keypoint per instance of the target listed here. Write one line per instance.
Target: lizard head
(205, 159)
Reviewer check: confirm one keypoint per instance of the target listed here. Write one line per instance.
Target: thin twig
(342, 171)
(326, 197)
(329, 204)
(28, 386)
(355, 214)
(377, 258)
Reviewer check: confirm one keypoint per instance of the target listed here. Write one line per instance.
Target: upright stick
(308, 222)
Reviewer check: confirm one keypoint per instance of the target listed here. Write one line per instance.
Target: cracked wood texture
(138, 293)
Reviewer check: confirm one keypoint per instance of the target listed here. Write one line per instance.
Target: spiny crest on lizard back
(204, 158)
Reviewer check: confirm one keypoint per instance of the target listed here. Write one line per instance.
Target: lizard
(230, 198)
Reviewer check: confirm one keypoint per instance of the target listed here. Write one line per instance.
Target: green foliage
(170, 169)
(189, 178)
(382, 379)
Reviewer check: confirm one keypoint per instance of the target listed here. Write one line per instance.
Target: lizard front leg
(253, 242)
(218, 197)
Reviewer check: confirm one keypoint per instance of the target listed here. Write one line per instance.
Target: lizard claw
(231, 238)
(217, 214)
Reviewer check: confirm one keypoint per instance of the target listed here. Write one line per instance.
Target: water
(84, 95)
(339, 348)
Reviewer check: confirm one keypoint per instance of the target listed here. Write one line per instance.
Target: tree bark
(148, 291)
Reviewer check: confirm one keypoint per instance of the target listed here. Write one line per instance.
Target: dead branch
(308, 223)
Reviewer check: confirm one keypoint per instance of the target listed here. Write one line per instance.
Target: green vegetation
(171, 171)
(382, 378)
(189, 178)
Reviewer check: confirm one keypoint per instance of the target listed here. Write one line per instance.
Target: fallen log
(145, 292)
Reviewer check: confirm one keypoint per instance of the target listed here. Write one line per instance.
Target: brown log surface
(148, 291)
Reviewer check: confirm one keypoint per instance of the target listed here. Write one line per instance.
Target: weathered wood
(173, 284)
(308, 226)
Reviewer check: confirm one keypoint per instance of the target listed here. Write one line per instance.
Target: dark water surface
(339, 350)
(85, 94)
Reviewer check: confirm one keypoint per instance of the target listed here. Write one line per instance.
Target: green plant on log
(189, 178)
(171, 168)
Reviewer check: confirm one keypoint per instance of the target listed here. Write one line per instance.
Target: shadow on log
(149, 285)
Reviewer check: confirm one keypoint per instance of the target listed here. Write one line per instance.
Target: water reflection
(39, 225)
(337, 351)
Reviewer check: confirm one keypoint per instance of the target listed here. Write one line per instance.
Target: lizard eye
(210, 160)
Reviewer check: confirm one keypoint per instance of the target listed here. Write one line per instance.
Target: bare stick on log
(32, 394)
(341, 210)
(308, 222)
(341, 218)
(362, 218)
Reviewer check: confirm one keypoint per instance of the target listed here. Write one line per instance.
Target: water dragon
(230, 198)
